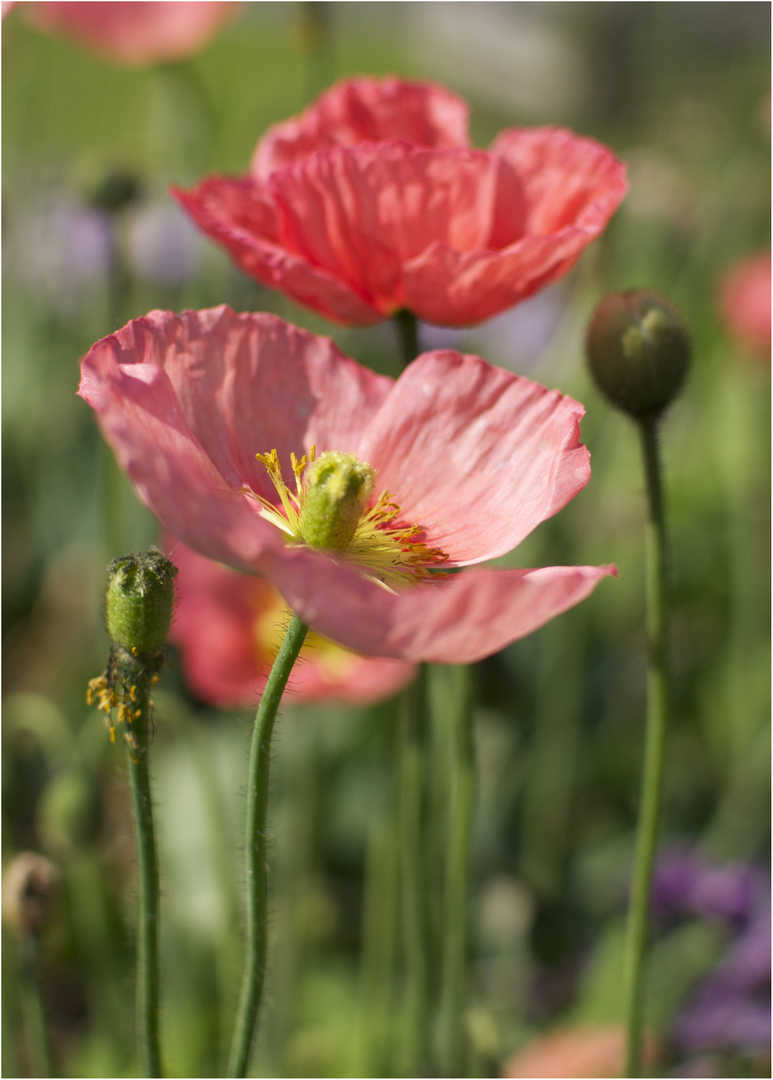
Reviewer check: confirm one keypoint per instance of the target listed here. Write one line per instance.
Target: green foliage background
(681, 92)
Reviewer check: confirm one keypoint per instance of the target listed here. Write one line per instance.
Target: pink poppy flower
(373, 201)
(228, 628)
(744, 302)
(454, 463)
(134, 33)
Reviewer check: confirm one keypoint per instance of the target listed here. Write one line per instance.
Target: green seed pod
(638, 352)
(336, 490)
(140, 597)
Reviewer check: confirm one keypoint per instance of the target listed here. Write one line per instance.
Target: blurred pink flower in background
(744, 302)
(134, 33)
(471, 455)
(228, 628)
(373, 201)
(580, 1051)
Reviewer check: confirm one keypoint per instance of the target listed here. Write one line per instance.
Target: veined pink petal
(229, 626)
(243, 219)
(248, 384)
(134, 33)
(454, 288)
(475, 455)
(360, 214)
(568, 181)
(460, 620)
(365, 110)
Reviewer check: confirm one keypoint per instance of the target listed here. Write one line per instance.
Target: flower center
(329, 511)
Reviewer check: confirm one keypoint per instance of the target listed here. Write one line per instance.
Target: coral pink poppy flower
(228, 628)
(211, 413)
(373, 201)
(134, 33)
(744, 301)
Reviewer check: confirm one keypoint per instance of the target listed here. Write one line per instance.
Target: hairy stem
(138, 743)
(256, 850)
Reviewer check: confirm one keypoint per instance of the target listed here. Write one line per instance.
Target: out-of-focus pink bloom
(228, 628)
(744, 301)
(471, 455)
(573, 1052)
(373, 201)
(134, 33)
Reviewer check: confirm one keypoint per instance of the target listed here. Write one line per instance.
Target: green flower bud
(140, 597)
(114, 191)
(638, 351)
(336, 490)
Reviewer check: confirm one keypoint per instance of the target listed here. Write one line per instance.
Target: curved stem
(453, 1002)
(407, 329)
(654, 755)
(147, 865)
(257, 867)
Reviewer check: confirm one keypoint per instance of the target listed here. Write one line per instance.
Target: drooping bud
(638, 352)
(30, 890)
(336, 491)
(140, 597)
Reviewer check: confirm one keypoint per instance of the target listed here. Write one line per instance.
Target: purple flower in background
(731, 1008)
(164, 248)
(59, 246)
(685, 885)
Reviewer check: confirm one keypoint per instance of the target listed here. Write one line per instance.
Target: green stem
(407, 329)
(38, 1045)
(147, 865)
(652, 780)
(454, 972)
(413, 878)
(257, 867)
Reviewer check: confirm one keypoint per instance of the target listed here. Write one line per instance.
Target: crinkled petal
(228, 628)
(242, 217)
(475, 455)
(142, 421)
(468, 616)
(365, 110)
(568, 180)
(248, 384)
(361, 214)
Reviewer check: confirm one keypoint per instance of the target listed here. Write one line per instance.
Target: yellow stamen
(388, 554)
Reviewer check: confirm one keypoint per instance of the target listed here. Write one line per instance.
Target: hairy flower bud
(336, 490)
(638, 351)
(140, 597)
(30, 889)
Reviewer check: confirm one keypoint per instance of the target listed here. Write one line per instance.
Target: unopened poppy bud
(140, 597)
(336, 490)
(114, 191)
(30, 890)
(638, 351)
